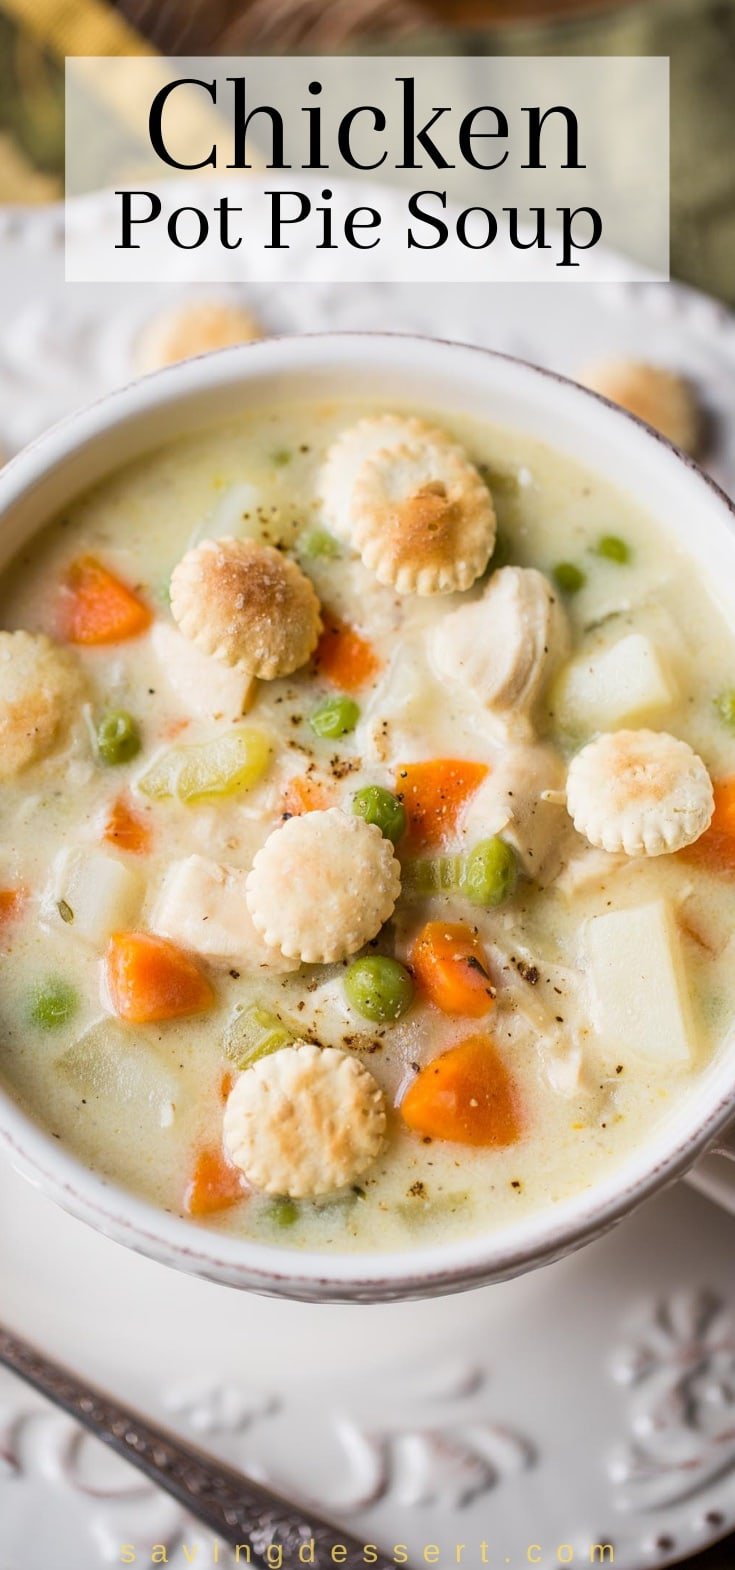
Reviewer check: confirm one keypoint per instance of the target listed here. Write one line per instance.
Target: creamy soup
(365, 890)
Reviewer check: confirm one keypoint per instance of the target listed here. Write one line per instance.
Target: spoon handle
(234, 1507)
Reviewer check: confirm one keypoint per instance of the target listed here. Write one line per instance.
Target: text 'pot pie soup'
(368, 797)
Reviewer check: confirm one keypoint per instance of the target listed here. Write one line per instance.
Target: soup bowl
(454, 378)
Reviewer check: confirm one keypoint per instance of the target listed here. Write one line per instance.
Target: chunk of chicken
(505, 646)
(206, 687)
(202, 906)
(512, 802)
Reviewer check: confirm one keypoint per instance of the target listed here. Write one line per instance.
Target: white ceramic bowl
(450, 378)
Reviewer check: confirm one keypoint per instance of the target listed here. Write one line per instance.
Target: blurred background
(697, 35)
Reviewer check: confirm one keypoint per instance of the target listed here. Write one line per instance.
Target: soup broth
(93, 827)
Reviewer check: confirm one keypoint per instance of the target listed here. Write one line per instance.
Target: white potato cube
(206, 687)
(93, 894)
(640, 1002)
(202, 906)
(113, 1069)
(621, 685)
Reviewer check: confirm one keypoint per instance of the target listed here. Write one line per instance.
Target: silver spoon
(234, 1507)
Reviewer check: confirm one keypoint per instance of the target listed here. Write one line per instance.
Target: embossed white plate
(591, 1403)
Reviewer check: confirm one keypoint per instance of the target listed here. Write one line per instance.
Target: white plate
(593, 1402)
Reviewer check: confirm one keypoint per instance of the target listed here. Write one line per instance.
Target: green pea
(725, 707)
(283, 1212)
(53, 1004)
(379, 988)
(380, 806)
(490, 872)
(568, 577)
(118, 737)
(613, 549)
(318, 543)
(334, 717)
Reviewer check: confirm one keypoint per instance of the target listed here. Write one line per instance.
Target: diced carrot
(303, 793)
(10, 904)
(127, 829)
(175, 728)
(345, 658)
(449, 964)
(214, 1184)
(151, 979)
(433, 794)
(466, 1096)
(96, 607)
(715, 849)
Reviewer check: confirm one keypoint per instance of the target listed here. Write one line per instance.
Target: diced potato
(620, 685)
(114, 1067)
(206, 687)
(235, 761)
(640, 1002)
(93, 893)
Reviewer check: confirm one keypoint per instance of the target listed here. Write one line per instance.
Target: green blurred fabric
(697, 35)
(699, 38)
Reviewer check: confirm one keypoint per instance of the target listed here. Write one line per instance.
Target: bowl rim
(472, 1260)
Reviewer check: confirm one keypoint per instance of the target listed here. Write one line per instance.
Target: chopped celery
(254, 1032)
(432, 875)
(234, 761)
(486, 875)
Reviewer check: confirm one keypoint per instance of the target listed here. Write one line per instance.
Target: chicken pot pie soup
(368, 788)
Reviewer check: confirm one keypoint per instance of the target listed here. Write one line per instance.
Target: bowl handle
(714, 1175)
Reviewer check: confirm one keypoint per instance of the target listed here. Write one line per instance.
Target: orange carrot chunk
(127, 829)
(10, 904)
(344, 658)
(433, 794)
(303, 793)
(214, 1184)
(449, 964)
(96, 607)
(715, 849)
(150, 979)
(465, 1096)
